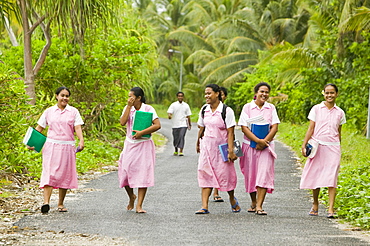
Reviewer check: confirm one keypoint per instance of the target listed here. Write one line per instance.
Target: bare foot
(131, 203)
(140, 211)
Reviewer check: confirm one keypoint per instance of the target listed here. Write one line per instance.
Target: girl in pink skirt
(213, 172)
(321, 170)
(59, 152)
(137, 160)
(257, 164)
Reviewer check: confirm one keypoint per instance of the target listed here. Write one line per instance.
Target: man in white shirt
(179, 112)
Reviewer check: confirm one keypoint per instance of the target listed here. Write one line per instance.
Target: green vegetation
(353, 191)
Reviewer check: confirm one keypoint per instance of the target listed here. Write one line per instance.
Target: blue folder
(260, 131)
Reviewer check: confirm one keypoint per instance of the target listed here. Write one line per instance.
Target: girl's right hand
(303, 150)
(30, 148)
(130, 101)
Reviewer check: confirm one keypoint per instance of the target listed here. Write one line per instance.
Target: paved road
(171, 204)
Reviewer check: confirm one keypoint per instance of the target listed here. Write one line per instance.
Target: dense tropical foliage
(297, 46)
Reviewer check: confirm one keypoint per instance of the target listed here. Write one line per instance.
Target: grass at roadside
(353, 193)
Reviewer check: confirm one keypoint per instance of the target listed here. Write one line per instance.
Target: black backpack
(223, 113)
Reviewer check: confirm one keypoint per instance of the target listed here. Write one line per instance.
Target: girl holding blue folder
(213, 172)
(137, 160)
(257, 164)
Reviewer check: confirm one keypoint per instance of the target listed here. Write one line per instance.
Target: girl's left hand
(232, 156)
(137, 135)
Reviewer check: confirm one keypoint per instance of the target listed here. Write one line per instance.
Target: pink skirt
(213, 172)
(323, 169)
(59, 166)
(136, 165)
(257, 167)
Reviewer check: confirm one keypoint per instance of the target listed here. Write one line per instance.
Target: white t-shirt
(179, 112)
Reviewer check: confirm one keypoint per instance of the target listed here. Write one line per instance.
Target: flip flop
(261, 212)
(252, 209)
(218, 199)
(202, 211)
(313, 212)
(62, 210)
(45, 208)
(331, 216)
(235, 205)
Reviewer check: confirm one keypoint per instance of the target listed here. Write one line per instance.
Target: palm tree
(78, 15)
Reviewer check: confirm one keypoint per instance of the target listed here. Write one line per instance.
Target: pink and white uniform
(322, 170)
(59, 152)
(137, 159)
(257, 166)
(213, 172)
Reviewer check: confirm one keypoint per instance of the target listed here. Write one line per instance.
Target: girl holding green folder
(137, 160)
(59, 151)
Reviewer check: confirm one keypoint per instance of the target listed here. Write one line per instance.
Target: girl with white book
(321, 170)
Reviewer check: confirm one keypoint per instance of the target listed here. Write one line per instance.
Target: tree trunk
(29, 78)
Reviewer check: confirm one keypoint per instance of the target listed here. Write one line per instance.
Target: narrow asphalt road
(171, 204)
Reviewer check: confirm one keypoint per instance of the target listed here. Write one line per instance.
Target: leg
(131, 196)
(206, 192)
(47, 194)
(315, 194)
(62, 195)
(140, 200)
(332, 193)
(175, 133)
(253, 196)
(233, 202)
(261, 194)
(216, 196)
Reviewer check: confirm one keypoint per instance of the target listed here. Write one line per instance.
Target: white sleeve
(123, 111)
(243, 118)
(343, 119)
(230, 118)
(188, 111)
(42, 121)
(200, 119)
(170, 109)
(275, 117)
(312, 114)
(78, 119)
(152, 110)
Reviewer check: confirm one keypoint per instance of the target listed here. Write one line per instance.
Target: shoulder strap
(223, 113)
(203, 110)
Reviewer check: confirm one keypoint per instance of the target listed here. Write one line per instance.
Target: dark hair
(330, 84)
(62, 88)
(180, 92)
(224, 90)
(215, 88)
(138, 92)
(257, 87)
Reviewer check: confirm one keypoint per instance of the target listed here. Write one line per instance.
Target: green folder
(142, 121)
(34, 138)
